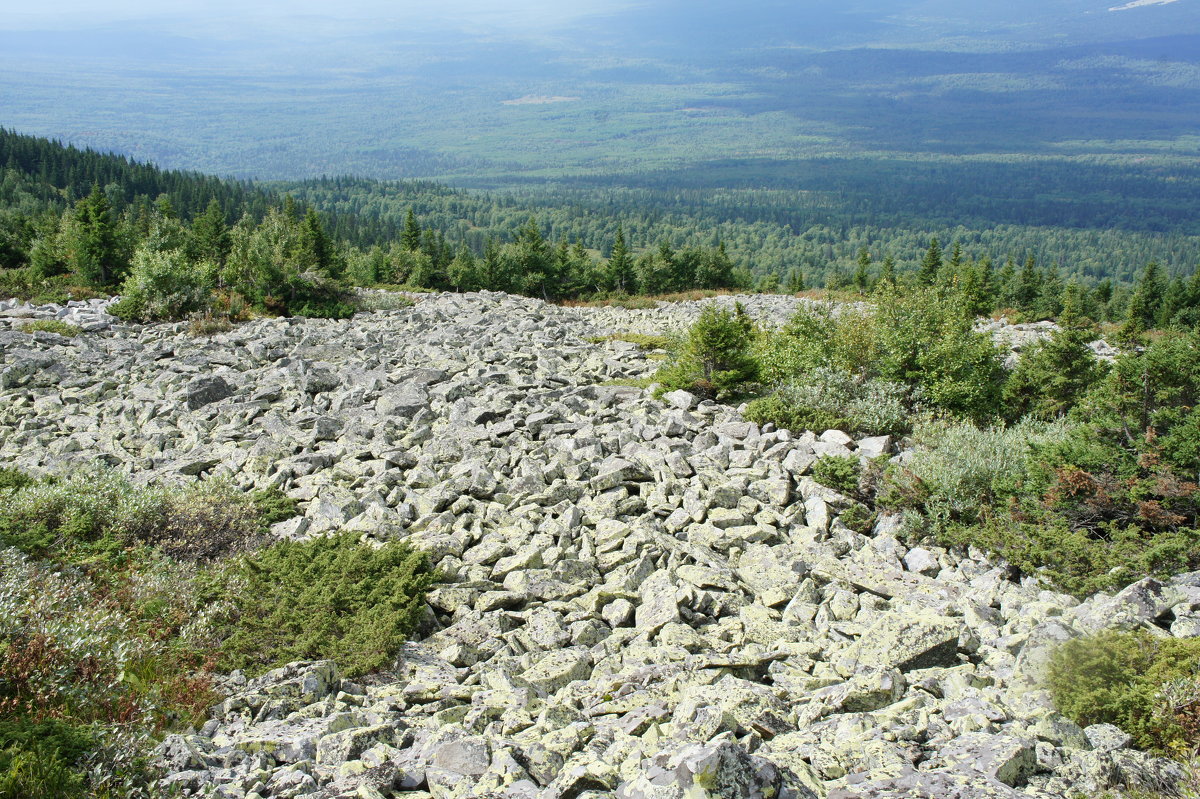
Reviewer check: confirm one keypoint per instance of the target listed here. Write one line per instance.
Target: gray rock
(712, 771)
(205, 391)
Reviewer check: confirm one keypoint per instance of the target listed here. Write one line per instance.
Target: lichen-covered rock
(641, 597)
(704, 771)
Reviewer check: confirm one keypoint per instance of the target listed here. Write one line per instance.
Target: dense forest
(176, 243)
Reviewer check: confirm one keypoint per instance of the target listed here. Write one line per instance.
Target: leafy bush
(828, 398)
(1050, 498)
(715, 360)
(162, 285)
(1146, 685)
(52, 326)
(841, 473)
(325, 598)
(923, 340)
(100, 517)
(959, 472)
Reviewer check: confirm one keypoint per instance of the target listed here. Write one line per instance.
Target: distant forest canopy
(60, 206)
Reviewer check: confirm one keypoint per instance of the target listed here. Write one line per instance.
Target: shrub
(1143, 684)
(12, 479)
(828, 398)
(52, 326)
(99, 517)
(960, 472)
(37, 759)
(162, 285)
(382, 300)
(325, 598)
(841, 473)
(206, 324)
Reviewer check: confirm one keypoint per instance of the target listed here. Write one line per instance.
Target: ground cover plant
(118, 602)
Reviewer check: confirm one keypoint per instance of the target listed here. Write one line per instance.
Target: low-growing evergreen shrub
(324, 598)
(1148, 686)
(841, 473)
(37, 759)
(12, 479)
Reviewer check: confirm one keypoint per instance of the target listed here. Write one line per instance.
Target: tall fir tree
(410, 239)
(862, 274)
(620, 265)
(931, 264)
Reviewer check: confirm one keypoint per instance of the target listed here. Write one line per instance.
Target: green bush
(12, 479)
(959, 473)
(271, 506)
(99, 517)
(52, 326)
(782, 411)
(325, 598)
(1146, 685)
(828, 398)
(841, 473)
(162, 285)
(37, 760)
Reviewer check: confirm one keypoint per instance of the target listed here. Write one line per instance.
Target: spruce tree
(887, 273)
(620, 265)
(91, 244)
(209, 239)
(862, 273)
(410, 239)
(931, 264)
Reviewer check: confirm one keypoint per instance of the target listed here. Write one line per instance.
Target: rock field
(646, 599)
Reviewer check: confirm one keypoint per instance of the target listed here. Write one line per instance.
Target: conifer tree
(91, 244)
(620, 265)
(887, 273)
(931, 264)
(862, 273)
(209, 239)
(410, 239)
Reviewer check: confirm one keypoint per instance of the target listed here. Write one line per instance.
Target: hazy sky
(508, 13)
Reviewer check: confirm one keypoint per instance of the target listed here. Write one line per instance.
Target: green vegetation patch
(841, 473)
(99, 518)
(37, 759)
(1148, 686)
(52, 326)
(715, 359)
(329, 597)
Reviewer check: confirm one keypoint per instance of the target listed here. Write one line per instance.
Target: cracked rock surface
(645, 599)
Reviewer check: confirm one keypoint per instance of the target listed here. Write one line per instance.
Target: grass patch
(208, 324)
(52, 326)
(645, 341)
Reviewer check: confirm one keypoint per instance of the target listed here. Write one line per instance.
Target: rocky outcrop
(644, 598)
(88, 315)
